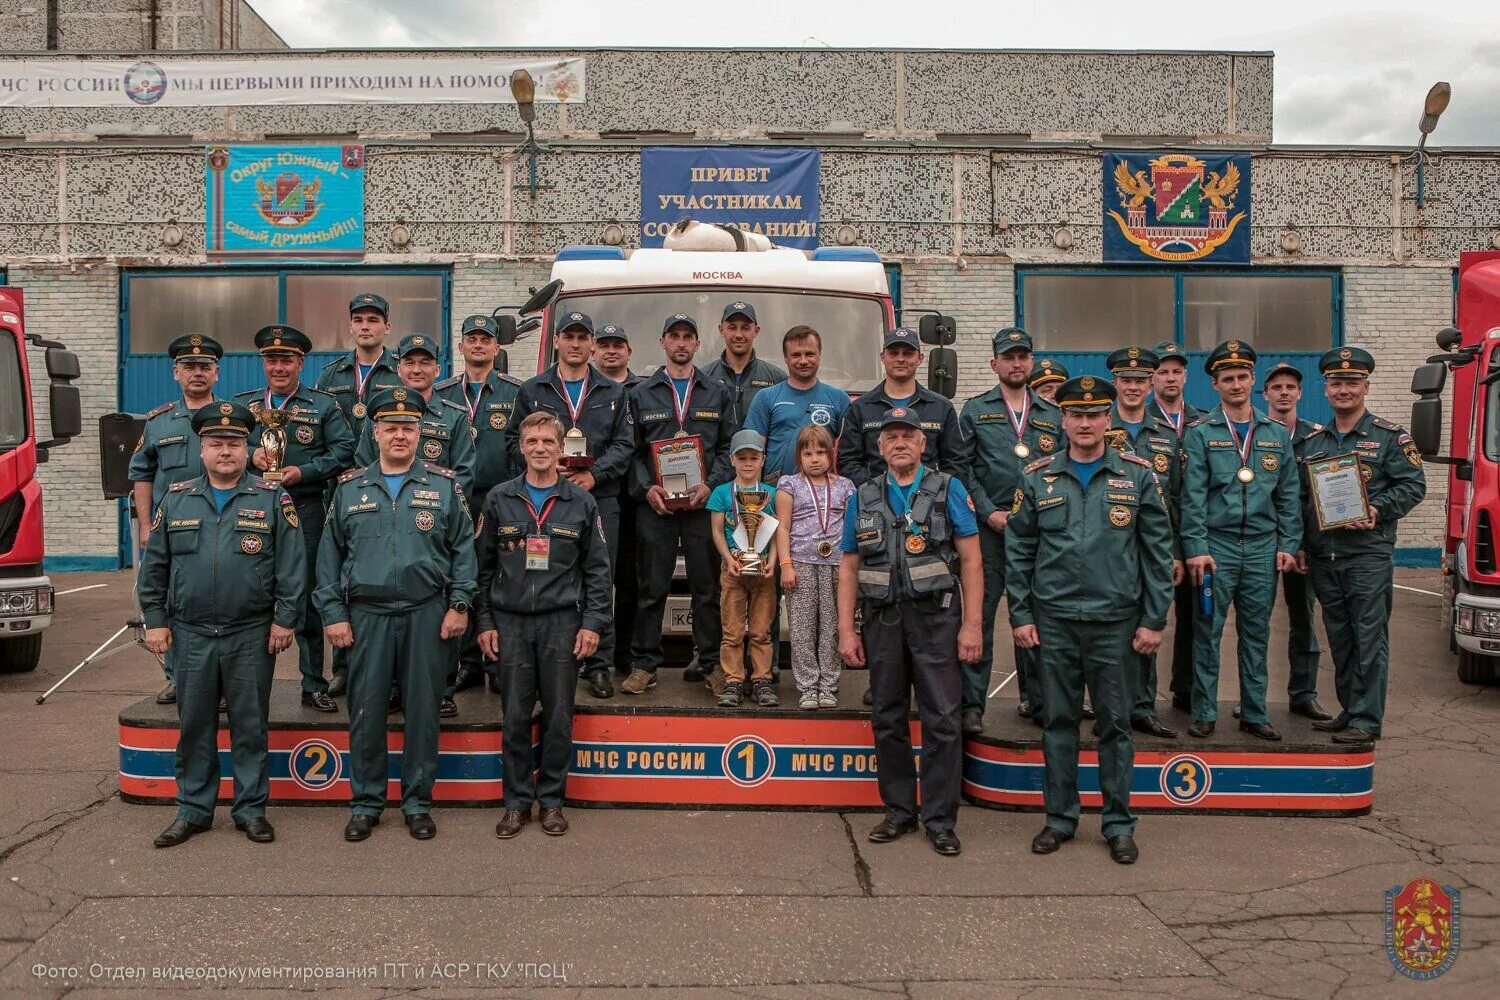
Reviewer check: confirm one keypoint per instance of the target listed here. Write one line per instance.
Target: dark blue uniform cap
(744, 309)
(610, 331)
(480, 324)
(195, 347)
(1168, 350)
(901, 335)
(1347, 362)
(223, 419)
(369, 300)
(1012, 338)
(1085, 394)
(1282, 368)
(282, 340)
(568, 320)
(418, 343)
(676, 318)
(900, 416)
(400, 403)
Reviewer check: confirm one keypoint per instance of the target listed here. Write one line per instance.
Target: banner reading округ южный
(285, 202)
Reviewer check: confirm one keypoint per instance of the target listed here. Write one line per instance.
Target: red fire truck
(25, 591)
(1471, 351)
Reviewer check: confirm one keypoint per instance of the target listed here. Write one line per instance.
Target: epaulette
(1317, 426)
(1038, 463)
(1385, 424)
(443, 471)
(449, 403)
(349, 474)
(163, 408)
(1200, 420)
(1138, 460)
(319, 392)
(178, 487)
(335, 362)
(264, 484)
(449, 383)
(505, 377)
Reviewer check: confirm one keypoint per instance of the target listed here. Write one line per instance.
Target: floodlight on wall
(1291, 240)
(1062, 238)
(614, 235)
(846, 235)
(1432, 108)
(171, 234)
(400, 235)
(523, 89)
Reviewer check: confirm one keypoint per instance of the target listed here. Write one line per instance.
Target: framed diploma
(1338, 491)
(679, 467)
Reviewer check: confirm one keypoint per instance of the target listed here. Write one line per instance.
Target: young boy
(751, 562)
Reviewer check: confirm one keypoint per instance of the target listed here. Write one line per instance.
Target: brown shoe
(510, 824)
(554, 823)
(639, 682)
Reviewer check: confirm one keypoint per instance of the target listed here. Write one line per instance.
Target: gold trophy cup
(273, 439)
(748, 533)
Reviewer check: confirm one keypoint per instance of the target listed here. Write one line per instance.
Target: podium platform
(671, 748)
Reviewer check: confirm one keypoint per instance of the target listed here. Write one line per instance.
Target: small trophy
(273, 440)
(575, 453)
(754, 531)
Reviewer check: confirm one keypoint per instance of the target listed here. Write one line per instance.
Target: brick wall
(478, 287)
(80, 306)
(1394, 312)
(981, 298)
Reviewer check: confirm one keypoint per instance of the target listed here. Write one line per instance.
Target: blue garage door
(1079, 315)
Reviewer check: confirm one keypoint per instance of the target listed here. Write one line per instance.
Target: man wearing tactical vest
(911, 560)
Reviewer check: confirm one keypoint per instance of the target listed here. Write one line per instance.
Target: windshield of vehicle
(851, 327)
(12, 399)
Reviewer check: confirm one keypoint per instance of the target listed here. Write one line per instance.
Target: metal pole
(1421, 170)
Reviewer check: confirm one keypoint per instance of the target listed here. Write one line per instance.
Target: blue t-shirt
(393, 483)
(680, 386)
(961, 519)
(538, 494)
(278, 401)
(221, 497)
(780, 411)
(1133, 427)
(1241, 429)
(1086, 470)
(722, 500)
(903, 401)
(364, 370)
(574, 390)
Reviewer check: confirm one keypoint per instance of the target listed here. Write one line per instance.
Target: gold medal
(825, 549)
(916, 544)
(1246, 474)
(359, 411)
(1021, 450)
(680, 434)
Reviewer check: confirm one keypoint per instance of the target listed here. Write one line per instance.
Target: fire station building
(988, 182)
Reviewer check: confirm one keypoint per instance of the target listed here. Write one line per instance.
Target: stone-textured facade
(958, 166)
(127, 26)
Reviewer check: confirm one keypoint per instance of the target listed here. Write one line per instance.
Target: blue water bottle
(1206, 596)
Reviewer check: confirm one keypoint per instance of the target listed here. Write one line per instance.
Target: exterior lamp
(523, 89)
(1436, 103)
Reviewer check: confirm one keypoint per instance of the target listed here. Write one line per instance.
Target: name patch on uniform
(865, 536)
(1049, 502)
(996, 416)
(558, 529)
(508, 529)
(706, 414)
(361, 507)
(654, 416)
(932, 425)
(184, 523)
(422, 502)
(1126, 497)
(174, 439)
(1220, 444)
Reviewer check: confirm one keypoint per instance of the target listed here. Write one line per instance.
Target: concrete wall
(125, 26)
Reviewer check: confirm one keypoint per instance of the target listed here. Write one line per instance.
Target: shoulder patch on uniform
(1138, 460)
(349, 474)
(1385, 424)
(443, 471)
(509, 378)
(163, 408)
(1038, 464)
(265, 484)
(178, 487)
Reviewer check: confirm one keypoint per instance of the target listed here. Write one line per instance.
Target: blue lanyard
(905, 511)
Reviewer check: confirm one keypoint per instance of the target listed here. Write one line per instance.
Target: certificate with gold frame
(679, 467)
(1338, 491)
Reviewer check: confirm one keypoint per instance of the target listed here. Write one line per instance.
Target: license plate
(679, 617)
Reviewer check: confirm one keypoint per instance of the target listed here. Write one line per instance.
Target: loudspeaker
(119, 433)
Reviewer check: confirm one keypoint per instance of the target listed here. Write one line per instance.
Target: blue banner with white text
(773, 192)
(285, 202)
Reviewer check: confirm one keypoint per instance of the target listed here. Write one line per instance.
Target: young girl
(810, 506)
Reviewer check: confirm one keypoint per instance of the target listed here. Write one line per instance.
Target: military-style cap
(676, 318)
(1132, 361)
(744, 309)
(418, 343)
(902, 335)
(1282, 368)
(1169, 350)
(900, 416)
(610, 331)
(369, 300)
(1047, 370)
(480, 324)
(568, 320)
(282, 340)
(1010, 339)
(195, 347)
(399, 404)
(746, 440)
(1347, 362)
(223, 419)
(1085, 394)
(1230, 354)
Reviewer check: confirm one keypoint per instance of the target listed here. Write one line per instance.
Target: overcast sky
(1346, 72)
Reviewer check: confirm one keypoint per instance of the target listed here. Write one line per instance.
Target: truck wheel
(18, 656)
(1475, 669)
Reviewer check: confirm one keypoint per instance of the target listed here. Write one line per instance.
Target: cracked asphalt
(690, 904)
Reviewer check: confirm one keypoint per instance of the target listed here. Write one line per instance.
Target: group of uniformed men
(1096, 503)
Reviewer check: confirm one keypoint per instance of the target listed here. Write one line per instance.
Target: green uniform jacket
(168, 450)
(1101, 554)
(497, 403)
(318, 439)
(1304, 429)
(1189, 414)
(394, 553)
(1214, 501)
(215, 572)
(990, 442)
(1157, 443)
(1393, 480)
(341, 378)
(447, 440)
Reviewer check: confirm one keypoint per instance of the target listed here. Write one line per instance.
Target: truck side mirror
(1448, 338)
(118, 434)
(1429, 379)
(1427, 425)
(67, 412)
(505, 330)
(938, 330)
(62, 364)
(542, 297)
(527, 325)
(502, 362)
(942, 371)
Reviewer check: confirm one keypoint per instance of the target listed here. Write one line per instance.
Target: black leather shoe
(179, 832)
(868, 699)
(554, 823)
(447, 708)
(1182, 702)
(1028, 710)
(1152, 726)
(1334, 725)
(1123, 850)
(1355, 736)
(167, 695)
(944, 842)
(257, 830)
(1049, 840)
(359, 826)
(338, 686)
(1260, 730)
(466, 677)
(510, 824)
(973, 721)
(886, 831)
(319, 702)
(421, 826)
(1201, 729)
(394, 705)
(693, 673)
(1310, 709)
(600, 686)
